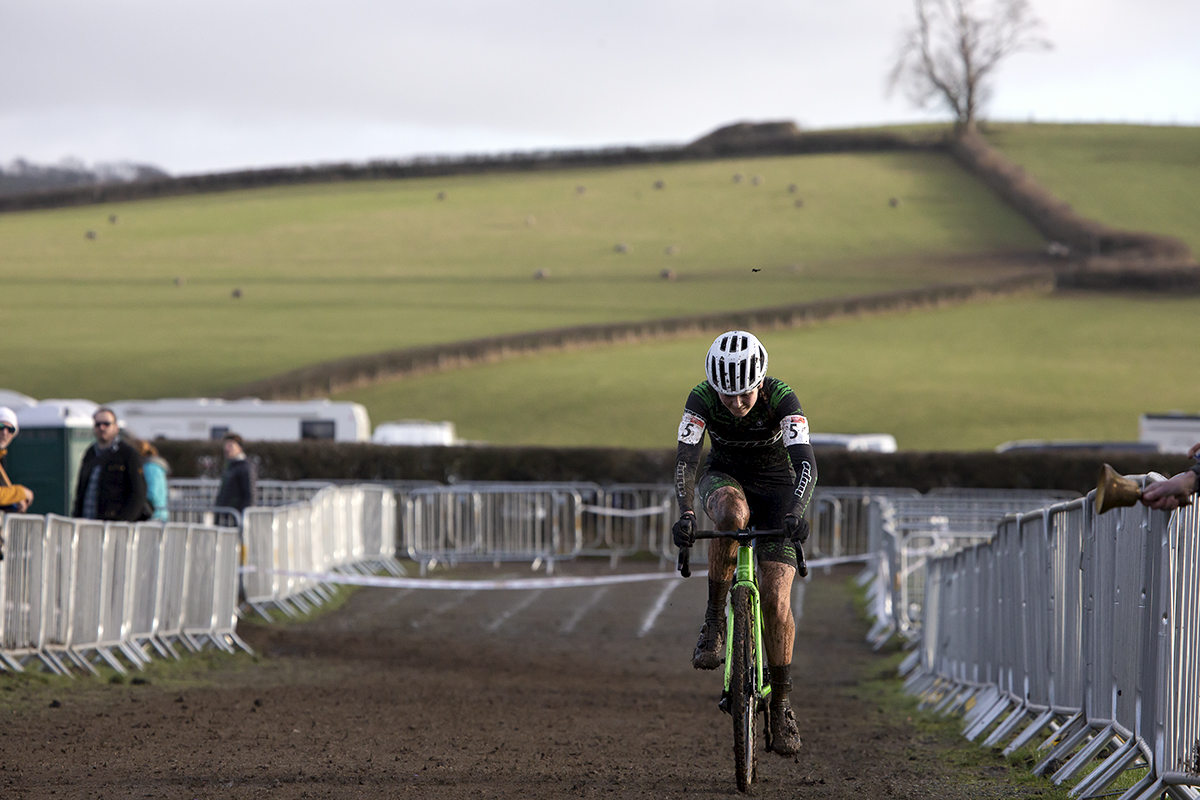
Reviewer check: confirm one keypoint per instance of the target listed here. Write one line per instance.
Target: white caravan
(250, 418)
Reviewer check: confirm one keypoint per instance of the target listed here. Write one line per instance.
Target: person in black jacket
(111, 485)
(238, 478)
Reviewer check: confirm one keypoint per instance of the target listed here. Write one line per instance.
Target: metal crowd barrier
(81, 592)
(1080, 633)
(906, 530)
(289, 548)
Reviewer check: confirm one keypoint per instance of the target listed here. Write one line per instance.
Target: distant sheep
(660, 185)
(90, 235)
(667, 274)
(672, 250)
(620, 247)
(179, 281)
(580, 189)
(112, 219)
(237, 294)
(757, 180)
(541, 274)
(799, 202)
(894, 202)
(738, 177)
(441, 195)
(793, 188)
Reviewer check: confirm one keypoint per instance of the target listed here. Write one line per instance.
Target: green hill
(145, 308)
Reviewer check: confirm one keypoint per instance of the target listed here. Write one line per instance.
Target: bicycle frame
(745, 575)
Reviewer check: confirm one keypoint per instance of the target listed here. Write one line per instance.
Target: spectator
(111, 484)
(1174, 492)
(12, 498)
(156, 470)
(238, 478)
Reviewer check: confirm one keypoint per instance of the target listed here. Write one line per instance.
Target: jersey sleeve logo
(691, 429)
(794, 429)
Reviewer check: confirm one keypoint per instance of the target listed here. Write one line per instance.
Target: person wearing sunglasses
(111, 483)
(13, 497)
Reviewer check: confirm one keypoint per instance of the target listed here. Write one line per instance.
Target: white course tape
(428, 583)
(605, 511)
(515, 583)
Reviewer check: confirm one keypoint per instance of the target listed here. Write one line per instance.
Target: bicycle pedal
(724, 703)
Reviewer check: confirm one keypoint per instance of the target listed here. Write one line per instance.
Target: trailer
(250, 418)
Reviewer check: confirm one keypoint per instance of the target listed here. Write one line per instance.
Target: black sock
(718, 591)
(781, 681)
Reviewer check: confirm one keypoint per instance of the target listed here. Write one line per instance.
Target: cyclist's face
(740, 404)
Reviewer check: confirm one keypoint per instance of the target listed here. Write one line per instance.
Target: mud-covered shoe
(785, 733)
(710, 649)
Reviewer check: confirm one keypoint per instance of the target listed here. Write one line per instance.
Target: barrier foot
(79, 659)
(236, 641)
(910, 662)
(10, 664)
(1084, 757)
(1069, 739)
(1006, 727)
(1098, 779)
(1026, 736)
(164, 646)
(54, 663)
(1147, 788)
(1181, 793)
(986, 719)
(111, 660)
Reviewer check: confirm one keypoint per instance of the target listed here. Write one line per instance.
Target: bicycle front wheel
(741, 687)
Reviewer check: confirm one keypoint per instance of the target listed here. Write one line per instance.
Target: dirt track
(491, 694)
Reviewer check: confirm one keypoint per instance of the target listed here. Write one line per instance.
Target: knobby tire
(741, 688)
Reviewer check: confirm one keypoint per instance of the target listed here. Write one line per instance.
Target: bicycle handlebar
(744, 536)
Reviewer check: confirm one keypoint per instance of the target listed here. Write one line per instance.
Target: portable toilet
(45, 455)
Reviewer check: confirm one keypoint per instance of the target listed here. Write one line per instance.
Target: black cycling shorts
(768, 502)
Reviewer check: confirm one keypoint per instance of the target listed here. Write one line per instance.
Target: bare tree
(949, 55)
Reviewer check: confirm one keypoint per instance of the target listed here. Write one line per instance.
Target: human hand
(24, 504)
(1170, 494)
(796, 527)
(1195, 451)
(683, 532)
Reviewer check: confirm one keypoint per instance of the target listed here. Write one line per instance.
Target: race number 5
(691, 429)
(795, 430)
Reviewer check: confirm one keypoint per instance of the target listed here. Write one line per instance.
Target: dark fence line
(708, 148)
(342, 461)
(319, 380)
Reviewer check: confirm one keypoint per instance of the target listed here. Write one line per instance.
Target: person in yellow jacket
(12, 498)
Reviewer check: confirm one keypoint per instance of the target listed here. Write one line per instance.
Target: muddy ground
(574, 692)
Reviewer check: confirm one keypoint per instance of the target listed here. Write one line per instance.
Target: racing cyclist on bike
(760, 472)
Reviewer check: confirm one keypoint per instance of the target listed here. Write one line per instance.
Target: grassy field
(333, 270)
(966, 377)
(144, 309)
(1136, 177)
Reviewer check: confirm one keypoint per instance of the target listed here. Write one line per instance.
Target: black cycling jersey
(767, 446)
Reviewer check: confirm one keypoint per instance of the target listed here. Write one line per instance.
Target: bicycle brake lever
(685, 568)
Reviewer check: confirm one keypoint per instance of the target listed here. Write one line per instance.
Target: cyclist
(760, 472)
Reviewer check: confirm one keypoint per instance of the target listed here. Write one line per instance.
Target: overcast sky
(223, 84)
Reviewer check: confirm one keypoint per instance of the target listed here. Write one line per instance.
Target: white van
(1173, 433)
(250, 418)
(415, 432)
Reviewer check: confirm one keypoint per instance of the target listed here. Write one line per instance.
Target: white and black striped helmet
(736, 363)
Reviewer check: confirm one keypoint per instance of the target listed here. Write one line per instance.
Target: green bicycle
(746, 692)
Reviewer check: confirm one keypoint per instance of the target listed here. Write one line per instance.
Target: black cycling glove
(684, 530)
(796, 527)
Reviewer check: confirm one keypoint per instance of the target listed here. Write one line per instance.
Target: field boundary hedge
(1099, 246)
(340, 461)
(741, 140)
(323, 379)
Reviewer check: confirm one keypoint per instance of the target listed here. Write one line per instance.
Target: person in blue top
(760, 472)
